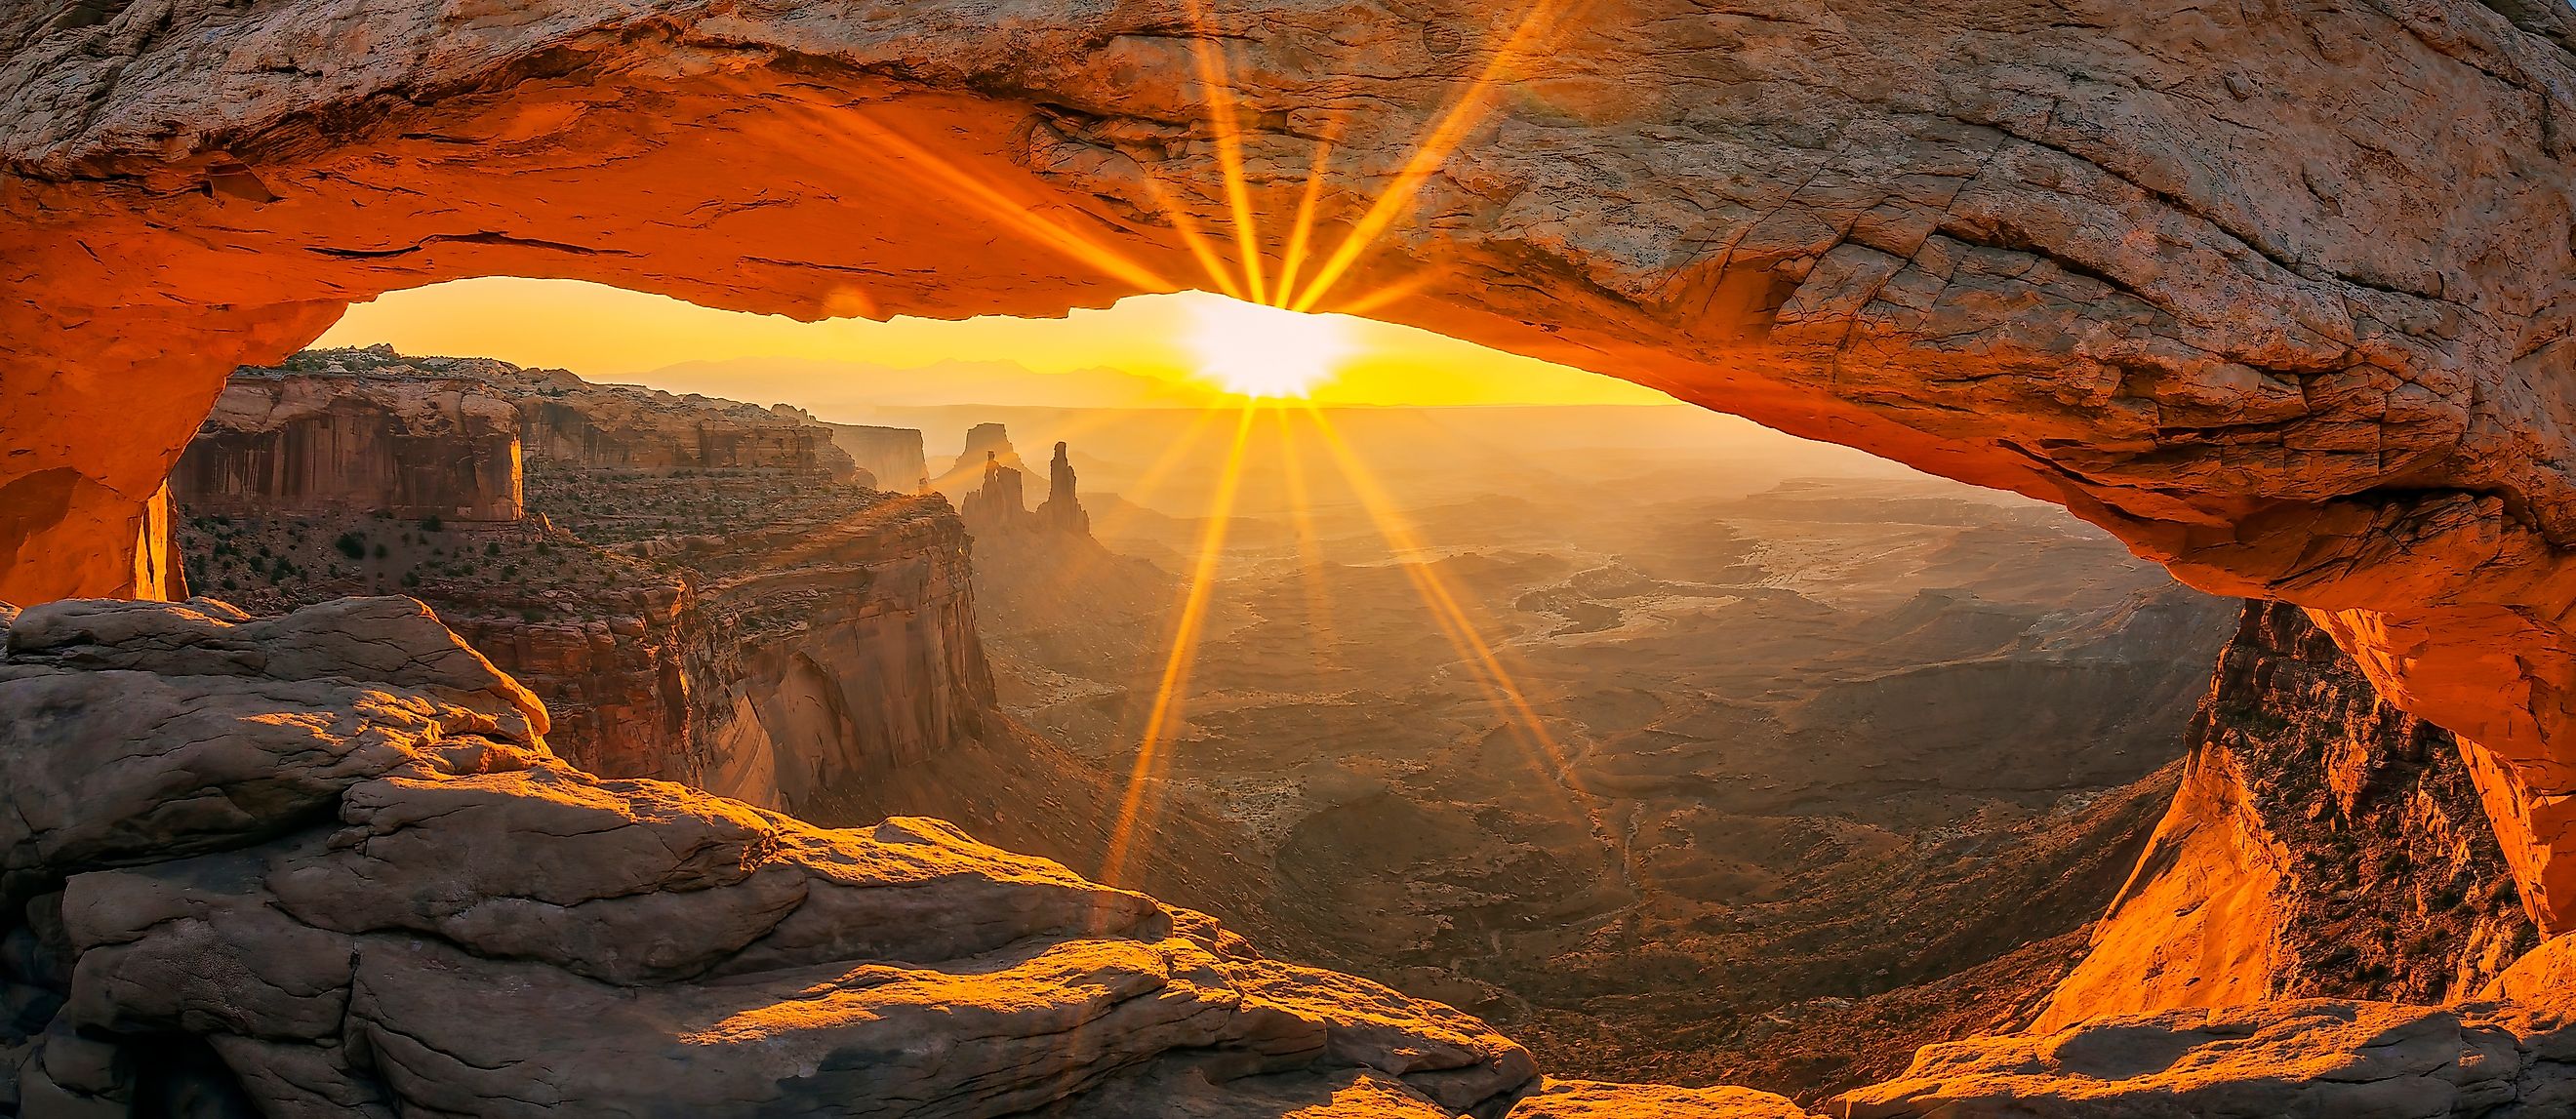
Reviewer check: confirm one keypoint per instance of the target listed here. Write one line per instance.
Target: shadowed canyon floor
(1830, 759)
(1789, 761)
(692, 586)
(280, 867)
(2276, 295)
(1823, 760)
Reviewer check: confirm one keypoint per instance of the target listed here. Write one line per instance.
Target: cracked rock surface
(2279, 293)
(324, 865)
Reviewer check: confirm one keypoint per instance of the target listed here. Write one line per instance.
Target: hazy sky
(608, 334)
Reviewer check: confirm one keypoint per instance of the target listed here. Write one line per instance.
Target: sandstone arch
(2279, 293)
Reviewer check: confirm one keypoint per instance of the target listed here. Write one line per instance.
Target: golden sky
(606, 333)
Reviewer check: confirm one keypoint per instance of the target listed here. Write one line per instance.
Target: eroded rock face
(411, 447)
(699, 592)
(2322, 843)
(2273, 293)
(393, 844)
(891, 456)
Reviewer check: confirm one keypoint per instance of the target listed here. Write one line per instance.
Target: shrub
(492, 549)
(380, 551)
(411, 579)
(431, 523)
(351, 545)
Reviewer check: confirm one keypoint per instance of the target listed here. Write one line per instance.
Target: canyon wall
(412, 447)
(2276, 294)
(409, 905)
(844, 652)
(401, 845)
(2323, 844)
(891, 455)
(573, 422)
(700, 593)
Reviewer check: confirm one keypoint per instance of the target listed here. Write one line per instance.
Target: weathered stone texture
(2323, 844)
(411, 448)
(2276, 293)
(768, 629)
(347, 878)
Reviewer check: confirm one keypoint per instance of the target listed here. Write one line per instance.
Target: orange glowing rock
(333, 846)
(2242, 306)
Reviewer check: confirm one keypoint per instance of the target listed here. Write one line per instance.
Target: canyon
(2136, 263)
(700, 591)
(2273, 295)
(397, 838)
(1862, 593)
(1799, 796)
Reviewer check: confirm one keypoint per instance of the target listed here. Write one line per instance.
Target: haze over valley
(1613, 725)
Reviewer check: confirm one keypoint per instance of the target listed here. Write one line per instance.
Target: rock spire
(1062, 511)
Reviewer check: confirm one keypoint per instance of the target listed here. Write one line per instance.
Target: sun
(1261, 351)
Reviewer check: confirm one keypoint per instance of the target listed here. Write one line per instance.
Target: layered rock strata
(580, 425)
(410, 446)
(285, 865)
(703, 596)
(892, 456)
(2272, 293)
(2323, 843)
(279, 866)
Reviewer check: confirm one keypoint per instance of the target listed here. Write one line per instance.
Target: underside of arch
(2279, 297)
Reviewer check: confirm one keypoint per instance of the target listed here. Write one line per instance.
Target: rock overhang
(2277, 297)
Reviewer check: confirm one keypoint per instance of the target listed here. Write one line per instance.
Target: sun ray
(1222, 120)
(1135, 808)
(851, 131)
(1150, 482)
(1301, 229)
(1310, 548)
(1505, 691)
(1194, 239)
(1433, 150)
(1385, 295)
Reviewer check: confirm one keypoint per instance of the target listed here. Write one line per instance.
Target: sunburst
(1265, 343)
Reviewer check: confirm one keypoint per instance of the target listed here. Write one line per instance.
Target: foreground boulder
(324, 865)
(2274, 293)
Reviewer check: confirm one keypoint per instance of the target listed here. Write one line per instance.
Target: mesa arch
(2279, 293)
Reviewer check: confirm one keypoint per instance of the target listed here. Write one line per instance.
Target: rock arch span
(2279, 293)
